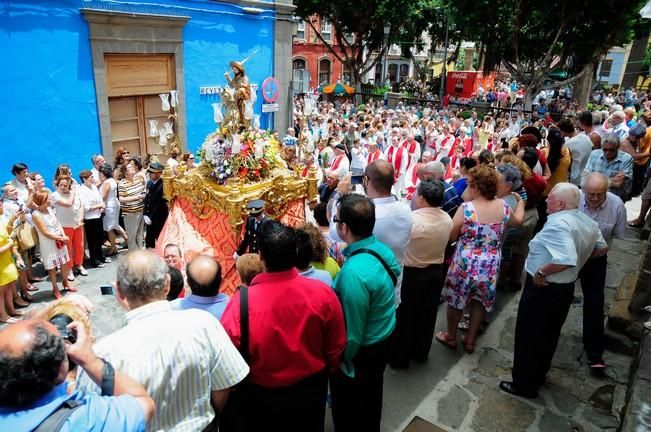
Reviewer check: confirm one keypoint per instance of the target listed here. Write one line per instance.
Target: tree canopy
(365, 21)
(532, 38)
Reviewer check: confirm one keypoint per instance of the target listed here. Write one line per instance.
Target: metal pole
(445, 62)
(384, 64)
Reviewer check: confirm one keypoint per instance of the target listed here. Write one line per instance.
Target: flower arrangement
(250, 155)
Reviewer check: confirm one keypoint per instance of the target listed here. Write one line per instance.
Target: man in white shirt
(184, 358)
(21, 181)
(556, 255)
(580, 147)
(97, 161)
(392, 217)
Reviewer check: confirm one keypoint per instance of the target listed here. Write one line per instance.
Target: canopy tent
(337, 89)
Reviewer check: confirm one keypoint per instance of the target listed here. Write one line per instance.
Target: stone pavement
(454, 391)
(467, 398)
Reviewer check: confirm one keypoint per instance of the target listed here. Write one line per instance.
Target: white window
(326, 29)
(300, 30)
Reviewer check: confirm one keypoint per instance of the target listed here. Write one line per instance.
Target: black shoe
(511, 388)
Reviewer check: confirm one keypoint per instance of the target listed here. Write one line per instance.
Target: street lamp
(387, 30)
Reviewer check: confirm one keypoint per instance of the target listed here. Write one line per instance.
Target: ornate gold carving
(207, 196)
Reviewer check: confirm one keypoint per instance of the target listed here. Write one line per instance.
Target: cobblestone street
(456, 391)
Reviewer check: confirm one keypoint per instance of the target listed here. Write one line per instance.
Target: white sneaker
(82, 271)
(647, 308)
(647, 325)
(71, 277)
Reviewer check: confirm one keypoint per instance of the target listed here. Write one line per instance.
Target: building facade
(313, 64)
(84, 77)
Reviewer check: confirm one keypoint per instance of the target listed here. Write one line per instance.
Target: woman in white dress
(52, 241)
(109, 193)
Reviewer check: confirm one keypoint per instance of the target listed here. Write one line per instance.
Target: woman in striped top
(131, 192)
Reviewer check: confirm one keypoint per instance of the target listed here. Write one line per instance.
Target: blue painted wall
(49, 114)
(49, 105)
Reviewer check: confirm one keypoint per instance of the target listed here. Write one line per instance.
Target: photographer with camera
(34, 362)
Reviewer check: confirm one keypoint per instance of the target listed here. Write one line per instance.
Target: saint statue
(241, 92)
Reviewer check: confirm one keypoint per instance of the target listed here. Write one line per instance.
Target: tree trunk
(583, 86)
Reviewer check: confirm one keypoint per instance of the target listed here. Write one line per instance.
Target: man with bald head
(392, 217)
(34, 364)
(609, 212)
(556, 255)
(184, 357)
(204, 278)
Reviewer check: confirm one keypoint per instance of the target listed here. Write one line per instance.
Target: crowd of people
(416, 206)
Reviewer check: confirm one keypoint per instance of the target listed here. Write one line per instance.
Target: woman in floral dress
(478, 228)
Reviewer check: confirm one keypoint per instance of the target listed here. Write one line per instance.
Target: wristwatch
(539, 273)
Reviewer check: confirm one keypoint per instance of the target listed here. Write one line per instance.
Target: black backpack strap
(379, 258)
(54, 422)
(244, 323)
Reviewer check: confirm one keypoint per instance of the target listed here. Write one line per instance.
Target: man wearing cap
(156, 211)
(249, 243)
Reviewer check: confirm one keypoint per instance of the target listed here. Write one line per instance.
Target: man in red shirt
(296, 336)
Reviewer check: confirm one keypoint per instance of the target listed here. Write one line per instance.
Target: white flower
(225, 163)
(221, 176)
(228, 171)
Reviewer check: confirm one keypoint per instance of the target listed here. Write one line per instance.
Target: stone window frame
(127, 33)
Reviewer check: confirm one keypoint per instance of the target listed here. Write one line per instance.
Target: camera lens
(61, 322)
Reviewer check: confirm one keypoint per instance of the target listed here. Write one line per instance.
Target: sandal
(31, 287)
(10, 320)
(444, 338)
(469, 348)
(20, 303)
(25, 295)
(17, 314)
(70, 288)
(633, 224)
(36, 279)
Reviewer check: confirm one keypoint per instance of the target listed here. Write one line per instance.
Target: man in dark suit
(155, 212)
(249, 243)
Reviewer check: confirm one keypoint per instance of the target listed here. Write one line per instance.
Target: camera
(61, 322)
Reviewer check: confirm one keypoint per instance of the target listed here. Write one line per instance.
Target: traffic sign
(271, 107)
(270, 90)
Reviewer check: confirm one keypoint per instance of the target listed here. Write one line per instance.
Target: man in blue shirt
(33, 370)
(204, 278)
(615, 164)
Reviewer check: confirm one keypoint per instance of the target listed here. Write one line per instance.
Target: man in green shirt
(365, 286)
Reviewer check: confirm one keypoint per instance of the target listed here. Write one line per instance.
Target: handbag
(26, 236)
